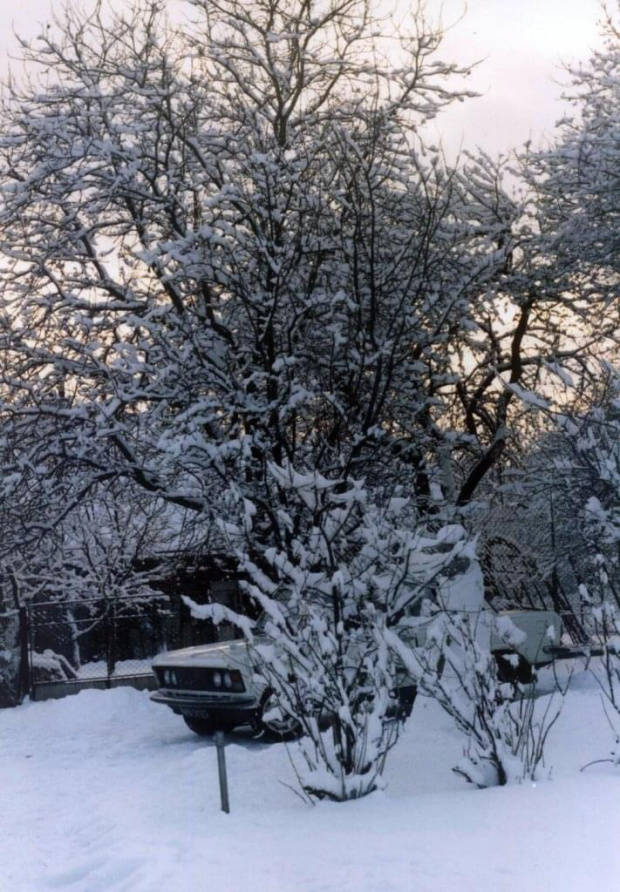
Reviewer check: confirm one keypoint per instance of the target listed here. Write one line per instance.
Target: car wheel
(272, 723)
(203, 727)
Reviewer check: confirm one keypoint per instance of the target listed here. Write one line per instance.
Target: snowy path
(106, 792)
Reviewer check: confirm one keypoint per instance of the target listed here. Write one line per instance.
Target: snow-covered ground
(106, 792)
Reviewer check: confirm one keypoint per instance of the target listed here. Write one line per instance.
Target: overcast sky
(522, 43)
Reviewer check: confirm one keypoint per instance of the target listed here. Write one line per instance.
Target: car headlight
(217, 679)
(235, 681)
(169, 677)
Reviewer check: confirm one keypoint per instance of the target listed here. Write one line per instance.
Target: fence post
(109, 659)
(25, 675)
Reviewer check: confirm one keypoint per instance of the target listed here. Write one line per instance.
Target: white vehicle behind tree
(219, 686)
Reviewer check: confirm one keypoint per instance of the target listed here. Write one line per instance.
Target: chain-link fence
(104, 641)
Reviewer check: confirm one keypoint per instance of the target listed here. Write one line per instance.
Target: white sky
(522, 43)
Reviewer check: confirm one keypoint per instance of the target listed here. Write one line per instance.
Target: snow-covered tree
(577, 178)
(575, 207)
(228, 246)
(235, 248)
(93, 548)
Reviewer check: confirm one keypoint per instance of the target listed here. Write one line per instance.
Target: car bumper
(232, 709)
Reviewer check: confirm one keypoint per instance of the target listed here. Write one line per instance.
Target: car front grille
(190, 678)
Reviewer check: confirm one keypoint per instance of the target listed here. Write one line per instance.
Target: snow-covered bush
(326, 602)
(50, 666)
(505, 729)
(354, 567)
(601, 606)
(606, 671)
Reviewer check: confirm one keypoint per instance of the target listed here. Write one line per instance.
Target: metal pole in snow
(221, 770)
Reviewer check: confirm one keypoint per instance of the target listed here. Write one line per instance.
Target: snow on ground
(106, 792)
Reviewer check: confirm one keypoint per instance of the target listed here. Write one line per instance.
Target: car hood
(232, 654)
